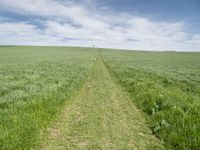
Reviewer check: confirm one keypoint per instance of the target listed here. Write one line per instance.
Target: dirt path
(101, 117)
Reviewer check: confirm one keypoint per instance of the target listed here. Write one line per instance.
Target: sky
(161, 25)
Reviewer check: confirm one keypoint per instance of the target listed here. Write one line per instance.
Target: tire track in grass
(101, 117)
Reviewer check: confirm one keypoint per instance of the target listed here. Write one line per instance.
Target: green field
(166, 86)
(81, 98)
(35, 83)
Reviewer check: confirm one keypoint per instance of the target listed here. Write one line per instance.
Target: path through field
(101, 117)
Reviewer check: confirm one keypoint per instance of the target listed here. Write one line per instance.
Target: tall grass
(166, 87)
(35, 83)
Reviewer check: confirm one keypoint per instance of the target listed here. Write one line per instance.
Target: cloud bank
(69, 23)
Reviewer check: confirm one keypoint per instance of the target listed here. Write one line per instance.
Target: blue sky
(124, 24)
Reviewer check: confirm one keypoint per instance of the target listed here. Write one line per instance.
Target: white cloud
(67, 23)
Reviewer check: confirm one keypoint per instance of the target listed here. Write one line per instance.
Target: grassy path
(101, 117)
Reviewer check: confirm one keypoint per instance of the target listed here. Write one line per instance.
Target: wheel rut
(101, 117)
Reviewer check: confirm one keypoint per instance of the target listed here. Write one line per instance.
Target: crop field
(81, 98)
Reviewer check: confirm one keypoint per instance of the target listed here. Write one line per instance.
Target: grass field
(102, 117)
(80, 98)
(166, 86)
(35, 83)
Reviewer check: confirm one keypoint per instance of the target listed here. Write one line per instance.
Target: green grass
(35, 83)
(166, 86)
(101, 117)
(38, 83)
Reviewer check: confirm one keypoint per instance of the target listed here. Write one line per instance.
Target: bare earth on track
(101, 117)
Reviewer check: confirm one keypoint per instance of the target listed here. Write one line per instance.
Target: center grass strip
(101, 117)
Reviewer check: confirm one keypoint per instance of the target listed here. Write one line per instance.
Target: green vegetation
(35, 83)
(165, 85)
(101, 117)
(69, 98)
